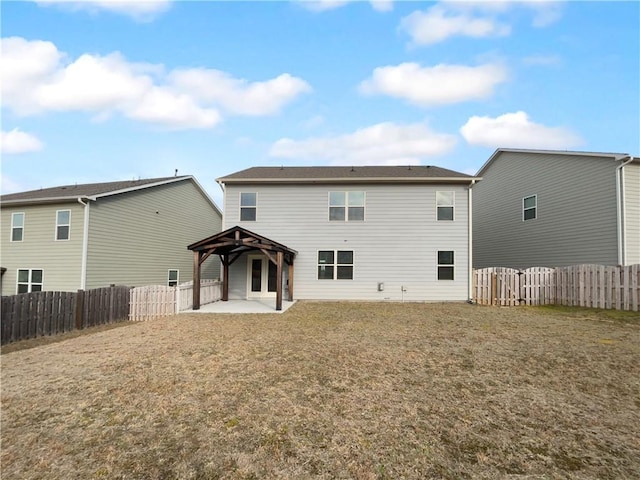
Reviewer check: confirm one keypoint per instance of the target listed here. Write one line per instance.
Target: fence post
(79, 310)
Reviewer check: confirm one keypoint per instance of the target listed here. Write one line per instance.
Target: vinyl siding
(632, 212)
(136, 237)
(396, 244)
(61, 260)
(576, 213)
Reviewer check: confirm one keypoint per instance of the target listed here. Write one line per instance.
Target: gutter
(85, 243)
(224, 201)
(470, 233)
(622, 232)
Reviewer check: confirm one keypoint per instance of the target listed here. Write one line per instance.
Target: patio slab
(267, 305)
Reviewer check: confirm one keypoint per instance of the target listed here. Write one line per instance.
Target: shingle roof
(362, 173)
(65, 192)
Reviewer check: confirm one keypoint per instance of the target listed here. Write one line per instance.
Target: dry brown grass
(331, 390)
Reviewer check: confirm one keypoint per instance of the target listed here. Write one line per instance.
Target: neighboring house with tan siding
(557, 208)
(93, 235)
(351, 233)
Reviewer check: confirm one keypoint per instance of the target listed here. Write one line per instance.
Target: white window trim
(240, 207)
(335, 264)
(346, 206)
(24, 217)
(438, 265)
(29, 283)
(453, 205)
(535, 208)
(62, 225)
(177, 280)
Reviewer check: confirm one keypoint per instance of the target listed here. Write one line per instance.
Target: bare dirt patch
(331, 390)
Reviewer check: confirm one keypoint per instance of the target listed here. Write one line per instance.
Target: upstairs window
(248, 206)
(173, 278)
(445, 265)
(17, 227)
(346, 206)
(529, 207)
(335, 265)
(444, 205)
(29, 280)
(63, 223)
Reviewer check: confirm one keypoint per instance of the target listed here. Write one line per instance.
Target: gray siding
(396, 244)
(576, 217)
(61, 260)
(632, 212)
(136, 237)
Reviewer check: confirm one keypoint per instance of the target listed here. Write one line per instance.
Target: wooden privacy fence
(595, 286)
(30, 315)
(156, 301)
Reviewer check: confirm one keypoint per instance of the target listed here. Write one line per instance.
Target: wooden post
(79, 320)
(291, 281)
(196, 280)
(279, 281)
(225, 277)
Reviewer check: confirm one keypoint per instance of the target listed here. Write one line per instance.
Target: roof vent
(408, 167)
(353, 169)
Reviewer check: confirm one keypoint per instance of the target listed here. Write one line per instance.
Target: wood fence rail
(595, 286)
(36, 314)
(156, 301)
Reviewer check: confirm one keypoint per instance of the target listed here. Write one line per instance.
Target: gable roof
(356, 174)
(607, 155)
(93, 191)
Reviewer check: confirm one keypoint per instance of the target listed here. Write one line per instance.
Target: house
(557, 208)
(88, 236)
(344, 233)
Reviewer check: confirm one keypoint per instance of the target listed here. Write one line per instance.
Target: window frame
(58, 225)
(335, 265)
(254, 207)
(175, 282)
(14, 227)
(346, 206)
(29, 283)
(534, 208)
(452, 206)
(451, 265)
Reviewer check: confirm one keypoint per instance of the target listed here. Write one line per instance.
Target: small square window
(529, 207)
(29, 280)
(173, 278)
(346, 206)
(248, 206)
(445, 265)
(335, 265)
(63, 224)
(17, 227)
(445, 205)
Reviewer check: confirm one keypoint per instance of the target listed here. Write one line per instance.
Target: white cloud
(437, 24)
(141, 10)
(438, 85)
(238, 95)
(380, 144)
(36, 78)
(17, 141)
(324, 5)
(516, 130)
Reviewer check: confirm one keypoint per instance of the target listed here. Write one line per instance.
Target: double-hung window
(29, 280)
(530, 207)
(173, 278)
(445, 265)
(248, 206)
(17, 227)
(444, 205)
(63, 223)
(335, 265)
(346, 206)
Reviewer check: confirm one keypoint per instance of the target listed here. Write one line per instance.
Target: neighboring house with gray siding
(93, 235)
(358, 233)
(557, 208)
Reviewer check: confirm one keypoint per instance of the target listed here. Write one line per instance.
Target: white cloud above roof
(438, 85)
(517, 130)
(17, 141)
(381, 144)
(145, 10)
(324, 5)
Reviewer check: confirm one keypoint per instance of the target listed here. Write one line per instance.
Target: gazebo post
(225, 277)
(196, 280)
(279, 256)
(291, 281)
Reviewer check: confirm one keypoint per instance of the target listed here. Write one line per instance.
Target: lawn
(332, 390)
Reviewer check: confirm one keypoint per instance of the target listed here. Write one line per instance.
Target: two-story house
(349, 233)
(87, 236)
(538, 208)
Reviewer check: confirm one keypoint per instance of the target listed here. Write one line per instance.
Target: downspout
(622, 233)
(85, 244)
(224, 201)
(470, 227)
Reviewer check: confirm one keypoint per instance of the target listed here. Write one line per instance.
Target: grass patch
(585, 313)
(330, 390)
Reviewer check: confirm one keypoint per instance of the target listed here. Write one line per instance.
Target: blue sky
(102, 90)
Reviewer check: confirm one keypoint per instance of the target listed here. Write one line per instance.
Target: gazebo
(229, 246)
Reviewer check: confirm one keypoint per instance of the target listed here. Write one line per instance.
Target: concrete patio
(266, 305)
